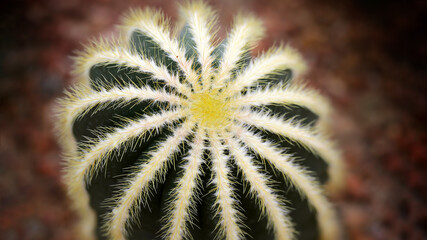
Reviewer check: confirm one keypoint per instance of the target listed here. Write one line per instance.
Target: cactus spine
(169, 135)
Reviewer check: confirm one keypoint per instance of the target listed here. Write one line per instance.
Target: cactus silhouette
(178, 135)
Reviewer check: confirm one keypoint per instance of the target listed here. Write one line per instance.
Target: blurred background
(368, 57)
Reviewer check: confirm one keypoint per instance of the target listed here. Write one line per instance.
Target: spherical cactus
(179, 135)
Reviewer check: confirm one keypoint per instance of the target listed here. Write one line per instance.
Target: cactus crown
(173, 133)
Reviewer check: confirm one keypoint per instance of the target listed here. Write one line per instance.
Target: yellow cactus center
(209, 108)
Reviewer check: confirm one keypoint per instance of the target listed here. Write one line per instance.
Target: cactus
(176, 135)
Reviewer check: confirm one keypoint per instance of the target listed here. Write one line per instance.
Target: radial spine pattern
(179, 135)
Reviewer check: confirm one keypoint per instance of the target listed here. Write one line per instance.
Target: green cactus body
(170, 136)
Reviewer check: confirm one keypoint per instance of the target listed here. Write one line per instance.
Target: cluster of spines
(234, 79)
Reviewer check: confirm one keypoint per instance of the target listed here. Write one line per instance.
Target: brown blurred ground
(369, 57)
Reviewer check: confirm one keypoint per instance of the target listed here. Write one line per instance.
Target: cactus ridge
(186, 104)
